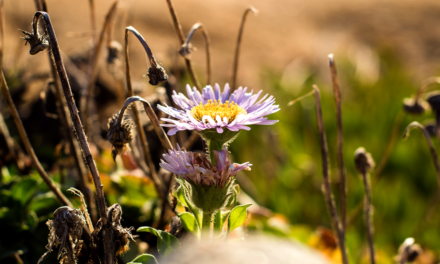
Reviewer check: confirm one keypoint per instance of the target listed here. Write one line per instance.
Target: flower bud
(414, 107)
(37, 42)
(119, 134)
(363, 161)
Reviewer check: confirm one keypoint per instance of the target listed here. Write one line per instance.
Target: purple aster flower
(216, 110)
(196, 167)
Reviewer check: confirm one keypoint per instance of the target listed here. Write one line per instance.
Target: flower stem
(214, 145)
(206, 226)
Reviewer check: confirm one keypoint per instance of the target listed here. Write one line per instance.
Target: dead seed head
(431, 127)
(186, 49)
(408, 251)
(38, 42)
(65, 231)
(414, 107)
(363, 161)
(433, 99)
(119, 135)
(156, 74)
(114, 50)
(120, 236)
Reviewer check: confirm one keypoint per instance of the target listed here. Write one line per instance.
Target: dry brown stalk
(66, 122)
(237, 47)
(179, 32)
(88, 95)
(326, 173)
(430, 145)
(363, 164)
(77, 124)
(186, 48)
(342, 177)
(6, 94)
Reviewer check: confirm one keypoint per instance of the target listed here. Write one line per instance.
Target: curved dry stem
(23, 135)
(179, 32)
(326, 175)
(237, 47)
(141, 39)
(67, 123)
(425, 85)
(185, 50)
(88, 94)
(430, 145)
(342, 178)
(74, 111)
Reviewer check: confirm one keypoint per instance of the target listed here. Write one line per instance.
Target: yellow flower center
(214, 109)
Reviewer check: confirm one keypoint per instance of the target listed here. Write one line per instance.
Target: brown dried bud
(414, 107)
(408, 251)
(433, 99)
(65, 231)
(114, 50)
(38, 42)
(119, 134)
(431, 127)
(156, 74)
(186, 49)
(120, 236)
(363, 161)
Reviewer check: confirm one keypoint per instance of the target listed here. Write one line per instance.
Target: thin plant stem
(383, 162)
(368, 213)
(430, 145)
(38, 5)
(23, 135)
(326, 175)
(237, 47)
(425, 85)
(30, 151)
(208, 47)
(340, 138)
(88, 94)
(76, 151)
(206, 226)
(107, 236)
(179, 32)
(140, 129)
(93, 19)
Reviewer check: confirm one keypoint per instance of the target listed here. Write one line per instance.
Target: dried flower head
(414, 107)
(119, 133)
(363, 161)
(114, 50)
(408, 251)
(215, 111)
(186, 49)
(65, 231)
(433, 98)
(119, 243)
(38, 42)
(156, 74)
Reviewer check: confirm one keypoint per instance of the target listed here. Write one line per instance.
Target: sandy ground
(286, 35)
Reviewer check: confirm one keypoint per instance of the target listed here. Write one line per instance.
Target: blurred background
(383, 52)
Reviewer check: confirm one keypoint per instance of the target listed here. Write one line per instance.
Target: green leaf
(144, 259)
(24, 190)
(189, 222)
(219, 219)
(165, 241)
(237, 216)
(180, 195)
(32, 220)
(183, 198)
